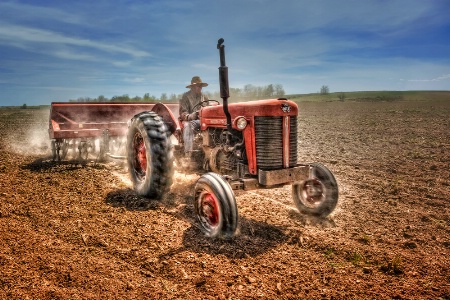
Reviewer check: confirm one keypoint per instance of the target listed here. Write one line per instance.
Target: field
(77, 231)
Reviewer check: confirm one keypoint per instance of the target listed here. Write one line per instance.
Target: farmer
(188, 116)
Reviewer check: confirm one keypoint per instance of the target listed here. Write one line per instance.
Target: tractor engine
(263, 137)
(220, 156)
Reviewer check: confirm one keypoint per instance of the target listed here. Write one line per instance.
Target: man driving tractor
(191, 100)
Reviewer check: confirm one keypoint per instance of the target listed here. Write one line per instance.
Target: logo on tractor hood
(285, 107)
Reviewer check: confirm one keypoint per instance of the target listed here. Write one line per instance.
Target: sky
(52, 50)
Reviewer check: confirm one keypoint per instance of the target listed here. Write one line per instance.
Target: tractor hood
(214, 116)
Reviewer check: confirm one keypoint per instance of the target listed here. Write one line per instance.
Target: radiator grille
(269, 142)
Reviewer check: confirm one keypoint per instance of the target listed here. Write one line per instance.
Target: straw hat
(196, 80)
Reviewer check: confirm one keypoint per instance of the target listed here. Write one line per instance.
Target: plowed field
(77, 231)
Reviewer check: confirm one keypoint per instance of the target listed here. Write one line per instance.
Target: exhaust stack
(223, 80)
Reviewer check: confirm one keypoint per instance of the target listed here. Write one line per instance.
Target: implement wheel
(317, 195)
(215, 206)
(60, 147)
(150, 155)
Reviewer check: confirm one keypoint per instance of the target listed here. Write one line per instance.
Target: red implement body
(78, 125)
(83, 120)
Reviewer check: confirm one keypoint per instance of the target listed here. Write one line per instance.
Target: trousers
(190, 128)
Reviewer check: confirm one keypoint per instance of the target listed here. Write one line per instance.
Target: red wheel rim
(140, 155)
(209, 209)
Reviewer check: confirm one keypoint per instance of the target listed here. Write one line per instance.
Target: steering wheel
(203, 102)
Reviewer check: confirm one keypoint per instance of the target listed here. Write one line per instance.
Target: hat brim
(203, 84)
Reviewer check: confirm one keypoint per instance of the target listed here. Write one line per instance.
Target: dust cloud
(28, 132)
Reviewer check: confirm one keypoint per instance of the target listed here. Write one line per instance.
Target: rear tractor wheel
(215, 206)
(317, 195)
(149, 155)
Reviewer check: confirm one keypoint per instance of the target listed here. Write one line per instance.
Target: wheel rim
(312, 192)
(208, 210)
(140, 156)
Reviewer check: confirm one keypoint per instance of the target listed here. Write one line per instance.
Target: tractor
(240, 146)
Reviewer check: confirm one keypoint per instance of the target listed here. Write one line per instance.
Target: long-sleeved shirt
(188, 101)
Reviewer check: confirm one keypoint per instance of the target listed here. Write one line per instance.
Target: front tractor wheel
(215, 206)
(149, 155)
(317, 195)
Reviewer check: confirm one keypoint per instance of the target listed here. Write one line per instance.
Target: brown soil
(77, 231)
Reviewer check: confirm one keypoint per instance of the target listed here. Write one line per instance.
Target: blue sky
(60, 50)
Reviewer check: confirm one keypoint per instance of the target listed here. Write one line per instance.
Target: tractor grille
(269, 142)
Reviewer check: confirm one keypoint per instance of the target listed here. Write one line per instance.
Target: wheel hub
(210, 209)
(313, 192)
(140, 155)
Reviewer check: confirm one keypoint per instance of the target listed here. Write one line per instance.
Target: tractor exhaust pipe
(223, 80)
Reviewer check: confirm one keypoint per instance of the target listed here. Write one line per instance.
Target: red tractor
(240, 146)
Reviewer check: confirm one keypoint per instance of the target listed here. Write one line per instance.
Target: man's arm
(184, 107)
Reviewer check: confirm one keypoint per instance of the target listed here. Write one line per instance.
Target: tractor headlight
(241, 123)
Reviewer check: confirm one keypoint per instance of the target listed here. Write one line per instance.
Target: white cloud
(13, 34)
(134, 80)
(443, 77)
(65, 54)
(22, 11)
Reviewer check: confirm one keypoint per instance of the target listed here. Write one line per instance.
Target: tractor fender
(169, 113)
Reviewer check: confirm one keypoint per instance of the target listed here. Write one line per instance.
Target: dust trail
(28, 132)
(35, 142)
(124, 178)
(183, 178)
(179, 179)
(272, 200)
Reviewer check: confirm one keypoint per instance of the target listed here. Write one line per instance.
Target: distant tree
(101, 98)
(268, 91)
(341, 96)
(125, 98)
(324, 90)
(24, 106)
(260, 92)
(84, 99)
(163, 97)
(279, 91)
(173, 97)
(234, 92)
(250, 91)
(149, 98)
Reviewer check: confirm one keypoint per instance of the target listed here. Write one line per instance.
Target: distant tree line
(249, 92)
(126, 98)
